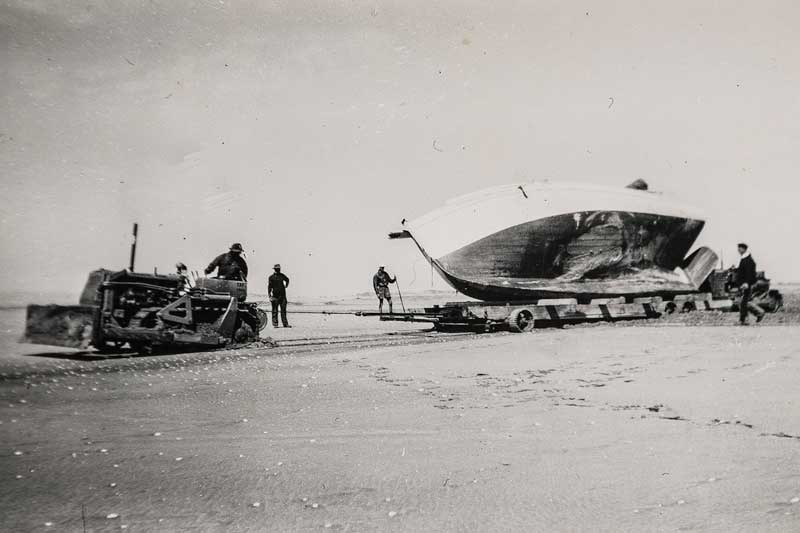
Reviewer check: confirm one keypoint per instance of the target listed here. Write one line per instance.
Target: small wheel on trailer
(688, 307)
(520, 320)
(670, 308)
(110, 347)
(141, 347)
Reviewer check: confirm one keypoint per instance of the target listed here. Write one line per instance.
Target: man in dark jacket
(231, 265)
(745, 279)
(276, 288)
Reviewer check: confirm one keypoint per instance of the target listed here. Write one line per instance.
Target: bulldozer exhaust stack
(133, 245)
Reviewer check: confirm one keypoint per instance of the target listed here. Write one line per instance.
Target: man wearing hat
(276, 288)
(380, 282)
(745, 279)
(231, 265)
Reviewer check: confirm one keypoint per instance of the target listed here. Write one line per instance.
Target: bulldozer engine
(148, 311)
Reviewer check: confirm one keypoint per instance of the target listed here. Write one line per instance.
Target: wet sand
(647, 428)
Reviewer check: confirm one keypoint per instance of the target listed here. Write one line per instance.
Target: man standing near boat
(276, 288)
(745, 279)
(380, 282)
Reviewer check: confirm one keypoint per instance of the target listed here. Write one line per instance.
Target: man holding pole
(380, 282)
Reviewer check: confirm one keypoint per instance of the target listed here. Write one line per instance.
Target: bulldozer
(721, 285)
(144, 312)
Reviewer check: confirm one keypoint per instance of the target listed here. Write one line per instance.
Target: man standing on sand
(380, 282)
(745, 279)
(276, 289)
(231, 265)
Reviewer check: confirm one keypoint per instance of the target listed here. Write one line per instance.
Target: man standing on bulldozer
(231, 265)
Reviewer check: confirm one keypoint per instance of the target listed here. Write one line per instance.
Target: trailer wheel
(110, 347)
(140, 347)
(520, 320)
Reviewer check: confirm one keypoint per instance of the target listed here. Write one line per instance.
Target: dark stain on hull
(586, 245)
(588, 254)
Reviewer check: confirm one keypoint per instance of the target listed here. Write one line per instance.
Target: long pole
(133, 245)
(400, 294)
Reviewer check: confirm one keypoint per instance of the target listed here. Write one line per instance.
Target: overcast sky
(305, 130)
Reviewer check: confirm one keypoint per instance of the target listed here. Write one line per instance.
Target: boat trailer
(525, 316)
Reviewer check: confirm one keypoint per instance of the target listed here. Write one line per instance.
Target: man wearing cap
(745, 280)
(184, 283)
(380, 282)
(231, 265)
(276, 288)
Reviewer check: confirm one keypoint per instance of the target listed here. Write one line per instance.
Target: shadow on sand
(92, 355)
(85, 355)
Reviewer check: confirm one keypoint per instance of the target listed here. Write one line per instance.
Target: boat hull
(584, 254)
(664, 284)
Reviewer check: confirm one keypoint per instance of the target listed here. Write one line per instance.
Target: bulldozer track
(384, 339)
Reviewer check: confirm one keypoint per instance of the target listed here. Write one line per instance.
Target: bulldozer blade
(59, 325)
(699, 265)
(227, 321)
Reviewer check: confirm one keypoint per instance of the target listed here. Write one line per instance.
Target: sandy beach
(170, 168)
(657, 427)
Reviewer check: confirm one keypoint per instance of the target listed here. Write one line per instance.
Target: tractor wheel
(775, 302)
(244, 333)
(263, 318)
(520, 320)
